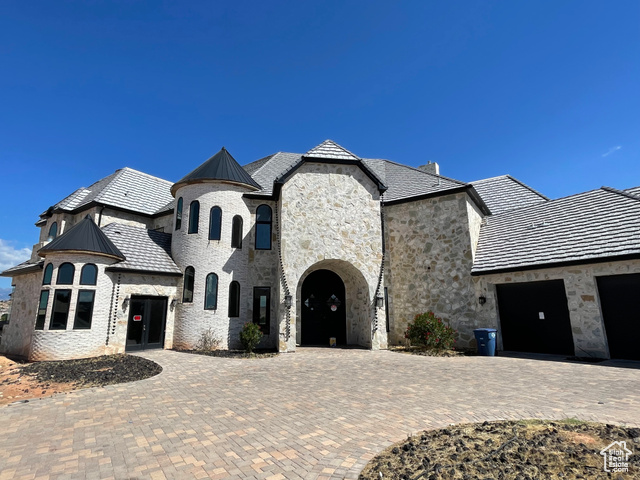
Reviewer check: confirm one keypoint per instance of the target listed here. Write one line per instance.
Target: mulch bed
(97, 371)
(509, 450)
(262, 353)
(433, 353)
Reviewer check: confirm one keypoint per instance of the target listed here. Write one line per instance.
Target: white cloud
(612, 150)
(11, 256)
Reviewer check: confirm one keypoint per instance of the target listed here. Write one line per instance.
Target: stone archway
(323, 309)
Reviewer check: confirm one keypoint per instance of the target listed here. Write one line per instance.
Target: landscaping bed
(508, 450)
(23, 381)
(266, 353)
(431, 352)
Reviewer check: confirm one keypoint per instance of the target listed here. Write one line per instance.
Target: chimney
(430, 167)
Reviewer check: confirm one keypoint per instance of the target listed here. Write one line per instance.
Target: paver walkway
(318, 413)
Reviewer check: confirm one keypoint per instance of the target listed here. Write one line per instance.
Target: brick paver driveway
(318, 413)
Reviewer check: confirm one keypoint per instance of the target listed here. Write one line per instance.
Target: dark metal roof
(86, 236)
(222, 166)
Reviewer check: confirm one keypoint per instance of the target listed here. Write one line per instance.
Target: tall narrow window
(84, 310)
(179, 214)
(263, 228)
(234, 299)
(262, 308)
(194, 216)
(88, 274)
(65, 274)
(215, 223)
(211, 292)
(48, 273)
(60, 310)
(386, 308)
(187, 291)
(42, 309)
(236, 232)
(53, 231)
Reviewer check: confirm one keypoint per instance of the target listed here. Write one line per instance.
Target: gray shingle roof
(146, 250)
(24, 267)
(505, 193)
(271, 169)
(125, 188)
(330, 150)
(633, 191)
(589, 226)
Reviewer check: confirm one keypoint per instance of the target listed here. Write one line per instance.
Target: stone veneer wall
(589, 336)
(430, 247)
(16, 335)
(331, 219)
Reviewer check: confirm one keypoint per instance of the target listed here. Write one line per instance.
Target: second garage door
(534, 317)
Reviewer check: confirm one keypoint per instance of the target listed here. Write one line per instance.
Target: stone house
(326, 245)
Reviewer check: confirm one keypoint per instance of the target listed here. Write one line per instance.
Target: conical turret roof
(223, 167)
(86, 236)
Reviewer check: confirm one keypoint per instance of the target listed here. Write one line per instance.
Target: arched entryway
(323, 309)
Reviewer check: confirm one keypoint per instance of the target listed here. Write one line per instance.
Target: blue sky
(546, 91)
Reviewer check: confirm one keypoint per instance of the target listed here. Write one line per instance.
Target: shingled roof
(332, 151)
(87, 237)
(505, 193)
(599, 225)
(147, 251)
(24, 267)
(221, 167)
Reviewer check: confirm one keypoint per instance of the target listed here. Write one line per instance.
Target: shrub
(429, 331)
(208, 341)
(250, 336)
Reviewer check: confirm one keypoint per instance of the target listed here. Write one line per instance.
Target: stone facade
(17, 334)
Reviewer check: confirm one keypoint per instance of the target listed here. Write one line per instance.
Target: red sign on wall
(137, 318)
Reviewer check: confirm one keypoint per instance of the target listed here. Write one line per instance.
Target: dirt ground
(526, 450)
(21, 382)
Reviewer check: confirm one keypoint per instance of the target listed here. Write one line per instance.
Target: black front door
(620, 303)
(147, 319)
(323, 309)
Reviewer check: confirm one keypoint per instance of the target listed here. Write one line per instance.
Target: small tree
(250, 336)
(429, 331)
(208, 341)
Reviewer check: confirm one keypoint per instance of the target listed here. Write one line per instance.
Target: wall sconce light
(173, 304)
(482, 299)
(287, 301)
(125, 303)
(379, 301)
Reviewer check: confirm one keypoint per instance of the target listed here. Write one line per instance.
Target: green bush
(250, 336)
(431, 332)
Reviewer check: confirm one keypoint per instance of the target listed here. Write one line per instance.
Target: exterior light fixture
(482, 299)
(287, 301)
(379, 301)
(125, 303)
(173, 304)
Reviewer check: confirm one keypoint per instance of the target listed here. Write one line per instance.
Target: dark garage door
(534, 317)
(620, 303)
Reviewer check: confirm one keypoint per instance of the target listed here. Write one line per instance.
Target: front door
(323, 309)
(620, 305)
(147, 319)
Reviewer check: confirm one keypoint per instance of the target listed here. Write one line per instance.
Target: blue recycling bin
(486, 339)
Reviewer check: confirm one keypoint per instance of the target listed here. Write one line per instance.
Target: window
(386, 308)
(194, 216)
(179, 214)
(263, 228)
(84, 310)
(53, 231)
(187, 292)
(48, 273)
(215, 223)
(236, 232)
(234, 299)
(65, 274)
(261, 308)
(211, 292)
(60, 311)
(88, 274)
(42, 309)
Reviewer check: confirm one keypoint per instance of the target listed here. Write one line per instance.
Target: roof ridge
(491, 178)
(620, 192)
(550, 201)
(117, 174)
(528, 187)
(145, 174)
(273, 155)
(437, 175)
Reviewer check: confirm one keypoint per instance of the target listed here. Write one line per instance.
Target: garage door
(534, 317)
(620, 303)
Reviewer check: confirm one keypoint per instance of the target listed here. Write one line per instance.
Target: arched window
(65, 274)
(263, 228)
(179, 214)
(234, 299)
(187, 291)
(236, 232)
(194, 216)
(215, 223)
(88, 274)
(53, 231)
(211, 292)
(48, 273)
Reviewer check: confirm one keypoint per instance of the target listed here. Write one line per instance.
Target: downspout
(380, 276)
(100, 215)
(283, 278)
